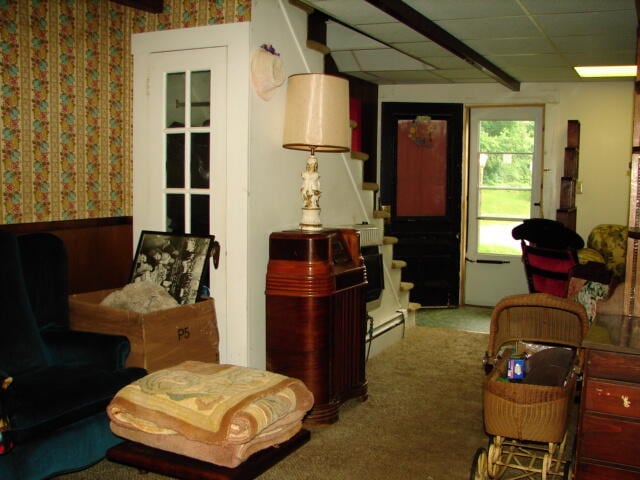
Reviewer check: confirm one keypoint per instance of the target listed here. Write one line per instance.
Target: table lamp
(316, 119)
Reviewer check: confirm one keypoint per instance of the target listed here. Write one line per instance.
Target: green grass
(505, 203)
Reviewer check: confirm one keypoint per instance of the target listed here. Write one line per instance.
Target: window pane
(422, 167)
(175, 213)
(505, 169)
(200, 214)
(175, 99)
(200, 160)
(175, 160)
(504, 202)
(200, 98)
(509, 136)
(494, 236)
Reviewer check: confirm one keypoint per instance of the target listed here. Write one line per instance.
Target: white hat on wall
(267, 71)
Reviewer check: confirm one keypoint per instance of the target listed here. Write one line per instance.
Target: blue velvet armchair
(55, 383)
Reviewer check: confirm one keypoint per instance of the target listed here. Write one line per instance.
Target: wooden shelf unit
(567, 212)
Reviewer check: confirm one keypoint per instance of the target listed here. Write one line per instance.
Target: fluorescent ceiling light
(607, 71)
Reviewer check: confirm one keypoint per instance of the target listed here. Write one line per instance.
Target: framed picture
(177, 262)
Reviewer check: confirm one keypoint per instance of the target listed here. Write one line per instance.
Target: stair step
(318, 47)
(371, 186)
(413, 306)
(406, 286)
(398, 264)
(389, 240)
(359, 156)
(381, 214)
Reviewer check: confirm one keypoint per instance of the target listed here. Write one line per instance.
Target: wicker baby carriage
(527, 421)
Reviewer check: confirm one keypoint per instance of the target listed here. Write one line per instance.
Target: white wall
(604, 110)
(274, 173)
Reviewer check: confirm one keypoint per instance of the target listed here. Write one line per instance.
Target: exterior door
(505, 188)
(420, 181)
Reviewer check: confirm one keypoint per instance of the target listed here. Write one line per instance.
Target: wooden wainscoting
(100, 250)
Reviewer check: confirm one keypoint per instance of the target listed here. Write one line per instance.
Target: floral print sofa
(607, 243)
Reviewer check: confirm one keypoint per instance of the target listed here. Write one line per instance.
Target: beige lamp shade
(317, 113)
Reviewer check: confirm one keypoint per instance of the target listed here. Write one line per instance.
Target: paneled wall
(99, 251)
(65, 102)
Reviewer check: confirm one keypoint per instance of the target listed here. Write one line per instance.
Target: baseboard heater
(390, 324)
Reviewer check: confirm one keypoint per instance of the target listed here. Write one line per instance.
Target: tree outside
(506, 155)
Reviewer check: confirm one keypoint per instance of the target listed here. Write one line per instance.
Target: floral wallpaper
(66, 101)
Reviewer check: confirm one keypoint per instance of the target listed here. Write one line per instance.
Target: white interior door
(180, 173)
(505, 188)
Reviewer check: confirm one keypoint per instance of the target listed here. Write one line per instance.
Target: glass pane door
(187, 160)
(505, 166)
(505, 188)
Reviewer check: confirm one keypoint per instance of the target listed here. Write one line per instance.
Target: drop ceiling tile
(340, 37)
(602, 58)
(345, 61)
(450, 9)
(462, 73)
(448, 62)
(422, 49)
(545, 60)
(551, 74)
(502, 27)
(593, 23)
(519, 36)
(502, 46)
(392, 32)
(388, 59)
(589, 43)
(565, 6)
(408, 76)
(368, 76)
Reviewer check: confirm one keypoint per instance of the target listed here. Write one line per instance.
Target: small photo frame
(177, 262)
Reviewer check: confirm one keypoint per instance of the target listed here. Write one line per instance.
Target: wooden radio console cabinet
(316, 315)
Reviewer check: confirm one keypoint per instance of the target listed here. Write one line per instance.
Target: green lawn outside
(505, 203)
(494, 235)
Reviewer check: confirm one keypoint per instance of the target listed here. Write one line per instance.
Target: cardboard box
(158, 339)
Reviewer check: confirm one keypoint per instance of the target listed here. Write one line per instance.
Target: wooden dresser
(608, 441)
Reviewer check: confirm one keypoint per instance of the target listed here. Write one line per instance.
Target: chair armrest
(72, 347)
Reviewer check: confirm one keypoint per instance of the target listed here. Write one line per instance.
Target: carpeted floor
(467, 318)
(423, 419)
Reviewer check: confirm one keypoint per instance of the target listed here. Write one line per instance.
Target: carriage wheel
(493, 457)
(479, 466)
(546, 463)
(568, 471)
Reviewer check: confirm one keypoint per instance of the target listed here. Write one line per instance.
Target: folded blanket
(216, 413)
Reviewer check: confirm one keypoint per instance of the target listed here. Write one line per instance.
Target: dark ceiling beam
(421, 24)
(153, 6)
(317, 34)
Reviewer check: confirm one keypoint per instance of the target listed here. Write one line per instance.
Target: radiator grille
(369, 234)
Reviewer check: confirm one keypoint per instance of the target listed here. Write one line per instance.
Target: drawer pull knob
(626, 403)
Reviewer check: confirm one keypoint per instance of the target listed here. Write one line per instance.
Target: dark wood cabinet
(609, 423)
(316, 315)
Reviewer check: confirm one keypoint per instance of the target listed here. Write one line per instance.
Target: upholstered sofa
(55, 383)
(607, 243)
